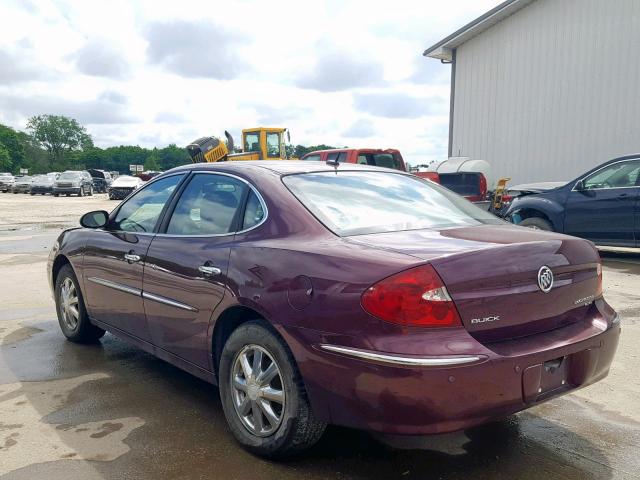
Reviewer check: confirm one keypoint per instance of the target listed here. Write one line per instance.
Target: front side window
(312, 158)
(252, 142)
(141, 212)
(617, 175)
(273, 144)
(207, 206)
(354, 203)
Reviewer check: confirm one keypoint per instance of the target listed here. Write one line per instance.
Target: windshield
(355, 203)
(69, 176)
(42, 179)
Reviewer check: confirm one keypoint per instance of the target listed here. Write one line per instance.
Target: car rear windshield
(387, 160)
(461, 183)
(357, 203)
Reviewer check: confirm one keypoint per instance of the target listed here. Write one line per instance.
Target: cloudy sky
(153, 73)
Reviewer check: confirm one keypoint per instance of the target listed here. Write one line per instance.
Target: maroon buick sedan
(315, 293)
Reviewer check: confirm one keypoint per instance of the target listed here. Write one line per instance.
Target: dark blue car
(603, 205)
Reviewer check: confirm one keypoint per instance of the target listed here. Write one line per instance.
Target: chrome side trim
(168, 301)
(400, 360)
(116, 286)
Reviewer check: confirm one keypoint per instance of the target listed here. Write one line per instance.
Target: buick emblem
(545, 279)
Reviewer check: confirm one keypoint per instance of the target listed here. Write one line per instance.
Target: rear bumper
(41, 189)
(379, 395)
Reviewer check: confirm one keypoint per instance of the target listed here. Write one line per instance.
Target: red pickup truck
(471, 185)
(389, 158)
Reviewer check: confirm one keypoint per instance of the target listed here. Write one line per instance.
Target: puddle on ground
(26, 440)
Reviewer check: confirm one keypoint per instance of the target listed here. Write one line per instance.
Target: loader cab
(268, 143)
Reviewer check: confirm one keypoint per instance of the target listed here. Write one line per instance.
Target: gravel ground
(40, 212)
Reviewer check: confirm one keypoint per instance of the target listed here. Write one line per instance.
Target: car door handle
(131, 257)
(209, 269)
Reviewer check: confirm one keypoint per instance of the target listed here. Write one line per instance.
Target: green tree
(14, 147)
(5, 159)
(173, 156)
(35, 158)
(59, 135)
(151, 163)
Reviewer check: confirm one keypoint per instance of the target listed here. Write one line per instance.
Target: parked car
(313, 293)
(123, 186)
(388, 158)
(74, 182)
(101, 180)
(600, 205)
(22, 184)
(42, 184)
(6, 182)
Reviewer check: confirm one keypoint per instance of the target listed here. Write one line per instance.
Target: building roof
(444, 48)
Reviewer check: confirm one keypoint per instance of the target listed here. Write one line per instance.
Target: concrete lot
(112, 411)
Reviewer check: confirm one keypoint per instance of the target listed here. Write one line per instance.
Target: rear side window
(312, 158)
(355, 203)
(208, 206)
(254, 213)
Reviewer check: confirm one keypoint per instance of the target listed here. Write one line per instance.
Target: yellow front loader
(257, 144)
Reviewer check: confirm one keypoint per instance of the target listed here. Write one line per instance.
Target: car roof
(281, 167)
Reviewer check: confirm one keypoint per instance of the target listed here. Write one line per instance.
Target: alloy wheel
(69, 304)
(257, 390)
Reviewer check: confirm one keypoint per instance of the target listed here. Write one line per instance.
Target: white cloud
(153, 73)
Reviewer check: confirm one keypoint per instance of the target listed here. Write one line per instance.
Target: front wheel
(263, 396)
(72, 314)
(90, 191)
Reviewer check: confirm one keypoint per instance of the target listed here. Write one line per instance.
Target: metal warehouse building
(545, 89)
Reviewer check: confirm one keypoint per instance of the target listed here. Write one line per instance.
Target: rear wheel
(81, 192)
(90, 191)
(263, 396)
(72, 314)
(536, 223)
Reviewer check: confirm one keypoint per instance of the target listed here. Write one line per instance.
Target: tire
(56, 194)
(77, 328)
(91, 191)
(31, 193)
(297, 428)
(81, 192)
(536, 223)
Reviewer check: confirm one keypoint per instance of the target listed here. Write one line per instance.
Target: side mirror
(579, 185)
(95, 219)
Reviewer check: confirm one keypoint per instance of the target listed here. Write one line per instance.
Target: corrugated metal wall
(552, 90)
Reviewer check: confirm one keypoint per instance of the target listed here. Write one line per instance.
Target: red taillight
(599, 273)
(415, 297)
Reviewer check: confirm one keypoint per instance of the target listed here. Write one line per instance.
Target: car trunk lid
(491, 273)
